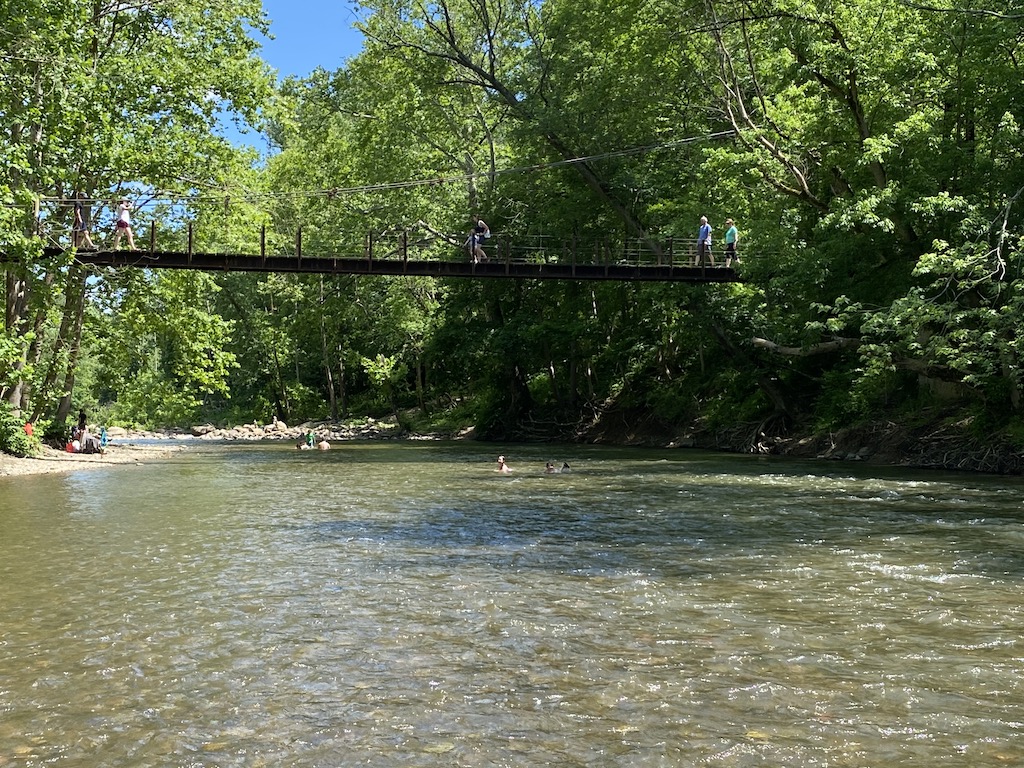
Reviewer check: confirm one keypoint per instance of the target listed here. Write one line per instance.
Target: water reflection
(383, 604)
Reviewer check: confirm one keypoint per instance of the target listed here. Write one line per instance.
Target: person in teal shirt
(731, 238)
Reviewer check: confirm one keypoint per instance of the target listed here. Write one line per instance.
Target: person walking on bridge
(477, 235)
(732, 237)
(704, 243)
(80, 229)
(124, 225)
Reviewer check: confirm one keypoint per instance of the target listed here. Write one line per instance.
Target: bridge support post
(298, 244)
(405, 250)
(263, 245)
(152, 237)
(190, 242)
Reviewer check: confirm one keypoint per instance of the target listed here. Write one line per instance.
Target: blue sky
(307, 34)
(310, 33)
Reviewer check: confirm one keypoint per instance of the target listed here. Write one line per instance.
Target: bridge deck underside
(369, 266)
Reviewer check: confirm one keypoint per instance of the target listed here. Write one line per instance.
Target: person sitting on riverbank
(91, 444)
(83, 442)
(503, 468)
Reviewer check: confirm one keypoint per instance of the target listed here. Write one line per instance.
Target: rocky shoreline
(142, 446)
(931, 446)
(368, 429)
(50, 460)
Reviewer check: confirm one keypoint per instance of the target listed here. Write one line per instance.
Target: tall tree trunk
(15, 293)
(35, 351)
(574, 375)
(17, 284)
(342, 391)
(74, 350)
(421, 384)
(74, 293)
(326, 357)
(281, 393)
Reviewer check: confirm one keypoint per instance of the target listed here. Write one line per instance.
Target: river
(404, 604)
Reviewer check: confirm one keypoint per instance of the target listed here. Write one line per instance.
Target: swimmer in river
(503, 468)
(551, 469)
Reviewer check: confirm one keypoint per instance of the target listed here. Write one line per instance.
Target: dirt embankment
(932, 446)
(936, 443)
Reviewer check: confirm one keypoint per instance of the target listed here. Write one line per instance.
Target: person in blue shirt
(704, 242)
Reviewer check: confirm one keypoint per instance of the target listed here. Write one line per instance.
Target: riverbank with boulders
(136, 446)
(932, 445)
(331, 431)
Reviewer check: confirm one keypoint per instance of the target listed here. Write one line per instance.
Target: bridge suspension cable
(163, 196)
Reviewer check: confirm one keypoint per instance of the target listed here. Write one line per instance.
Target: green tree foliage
(105, 98)
(163, 352)
(844, 139)
(870, 153)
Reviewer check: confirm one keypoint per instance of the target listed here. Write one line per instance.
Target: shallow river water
(403, 604)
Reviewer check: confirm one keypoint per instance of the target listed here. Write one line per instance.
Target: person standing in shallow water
(503, 468)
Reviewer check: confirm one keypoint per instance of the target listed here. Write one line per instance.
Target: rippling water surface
(403, 604)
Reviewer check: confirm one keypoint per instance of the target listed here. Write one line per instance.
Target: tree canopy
(870, 153)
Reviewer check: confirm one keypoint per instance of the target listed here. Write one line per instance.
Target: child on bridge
(124, 225)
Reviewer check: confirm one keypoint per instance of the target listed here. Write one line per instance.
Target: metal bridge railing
(414, 243)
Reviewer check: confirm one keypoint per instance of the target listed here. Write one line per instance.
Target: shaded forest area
(871, 154)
